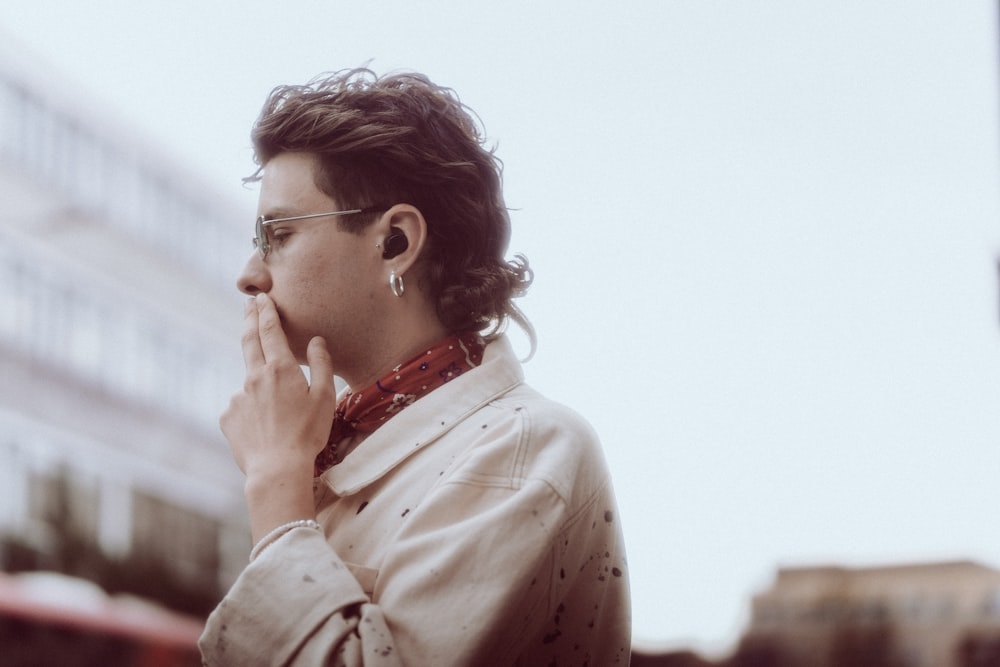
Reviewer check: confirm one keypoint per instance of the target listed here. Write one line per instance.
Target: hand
(279, 422)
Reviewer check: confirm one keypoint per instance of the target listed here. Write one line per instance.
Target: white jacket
(476, 527)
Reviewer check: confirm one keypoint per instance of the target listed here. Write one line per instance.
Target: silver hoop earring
(396, 284)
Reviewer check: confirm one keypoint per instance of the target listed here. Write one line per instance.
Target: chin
(298, 347)
(299, 352)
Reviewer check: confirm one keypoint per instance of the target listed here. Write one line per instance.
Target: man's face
(321, 278)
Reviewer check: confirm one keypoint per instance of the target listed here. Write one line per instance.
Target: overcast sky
(764, 237)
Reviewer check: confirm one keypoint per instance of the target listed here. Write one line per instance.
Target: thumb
(320, 366)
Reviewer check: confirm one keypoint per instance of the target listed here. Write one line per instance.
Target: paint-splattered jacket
(476, 527)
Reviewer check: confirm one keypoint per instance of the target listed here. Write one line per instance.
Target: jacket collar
(427, 420)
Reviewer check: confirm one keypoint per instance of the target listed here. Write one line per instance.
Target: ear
(402, 234)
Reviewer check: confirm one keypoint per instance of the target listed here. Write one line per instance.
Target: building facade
(119, 347)
(917, 615)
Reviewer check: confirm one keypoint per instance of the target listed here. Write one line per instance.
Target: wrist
(272, 477)
(278, 498)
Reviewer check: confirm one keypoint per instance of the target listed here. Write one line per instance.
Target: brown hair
(402, 139)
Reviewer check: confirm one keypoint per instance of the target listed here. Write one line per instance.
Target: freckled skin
(321, 278)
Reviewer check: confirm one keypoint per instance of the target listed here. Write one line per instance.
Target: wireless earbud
(394, 244)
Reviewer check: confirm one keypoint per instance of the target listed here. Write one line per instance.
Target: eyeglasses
(263, 244)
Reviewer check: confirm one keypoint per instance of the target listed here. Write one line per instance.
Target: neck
(401, 344)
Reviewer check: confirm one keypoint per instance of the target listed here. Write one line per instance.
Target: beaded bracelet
(273, 536)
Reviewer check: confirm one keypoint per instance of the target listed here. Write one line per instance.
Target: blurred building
(917, 615)
(119, 347)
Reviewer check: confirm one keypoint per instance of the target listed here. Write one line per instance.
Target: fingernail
(248, 305)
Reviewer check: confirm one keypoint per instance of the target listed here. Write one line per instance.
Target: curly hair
(402, 139)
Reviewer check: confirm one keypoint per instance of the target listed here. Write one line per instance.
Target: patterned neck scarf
(366, 410)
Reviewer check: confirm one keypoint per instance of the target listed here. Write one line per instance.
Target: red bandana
(365, 411)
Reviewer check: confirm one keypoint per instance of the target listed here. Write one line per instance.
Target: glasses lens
(260, 240)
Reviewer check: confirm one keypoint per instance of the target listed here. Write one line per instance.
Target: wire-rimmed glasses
(263, 244)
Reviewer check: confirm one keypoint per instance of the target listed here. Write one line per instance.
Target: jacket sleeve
(297, 604)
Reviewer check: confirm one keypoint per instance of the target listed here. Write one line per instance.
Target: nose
(255, 278)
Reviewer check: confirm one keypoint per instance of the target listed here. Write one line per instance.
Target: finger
(320, 367)
(253, 356)
(273, 342)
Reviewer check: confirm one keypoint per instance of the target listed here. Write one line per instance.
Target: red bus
(52, 619)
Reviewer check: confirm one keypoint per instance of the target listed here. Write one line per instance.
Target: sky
(764, 235)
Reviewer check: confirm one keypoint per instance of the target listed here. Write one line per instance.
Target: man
(452, 515)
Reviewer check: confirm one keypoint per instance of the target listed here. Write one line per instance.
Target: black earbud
(394, 244)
